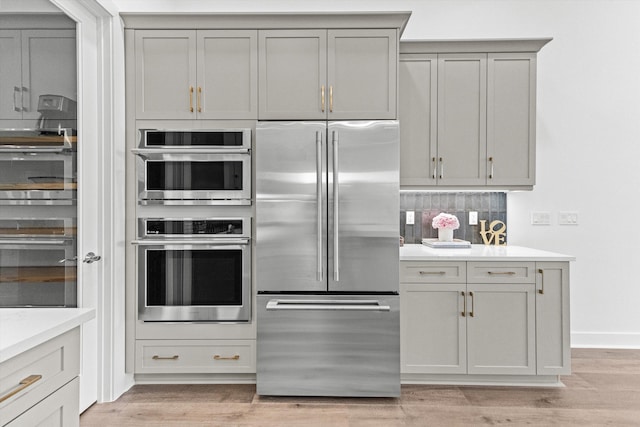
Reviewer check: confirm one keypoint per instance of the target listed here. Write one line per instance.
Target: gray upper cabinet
(468, 122)
(328, 74)
(34, 63)
(462, 97)
(196, 74)
(511, 118)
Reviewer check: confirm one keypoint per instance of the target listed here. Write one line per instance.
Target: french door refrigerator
(327, 238)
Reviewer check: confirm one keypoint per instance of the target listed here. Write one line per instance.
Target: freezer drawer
(327, 345)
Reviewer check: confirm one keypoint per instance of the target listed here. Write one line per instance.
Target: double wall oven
(193, 245)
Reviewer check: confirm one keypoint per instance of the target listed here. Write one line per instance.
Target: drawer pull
(502, 273)
(234, 357)
(174, 357)
(439, 273)
(21, 386)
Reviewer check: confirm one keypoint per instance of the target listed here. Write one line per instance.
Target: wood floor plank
(603, 390)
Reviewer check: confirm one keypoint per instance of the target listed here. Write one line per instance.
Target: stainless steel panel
(364, 204)
(290, 212)
(329, 346)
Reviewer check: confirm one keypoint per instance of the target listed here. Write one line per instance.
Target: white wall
(588, 132)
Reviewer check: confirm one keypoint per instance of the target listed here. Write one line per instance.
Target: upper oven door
(203, 178)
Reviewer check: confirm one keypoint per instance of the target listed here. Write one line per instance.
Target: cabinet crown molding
(473, 45)
(267, 20)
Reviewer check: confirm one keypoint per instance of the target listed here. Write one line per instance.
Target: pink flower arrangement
(446, 221)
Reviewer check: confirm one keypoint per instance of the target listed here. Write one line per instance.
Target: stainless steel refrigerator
(327, 238)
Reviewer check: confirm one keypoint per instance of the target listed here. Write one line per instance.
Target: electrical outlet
(411, 218)
(541, 218)
(568, 218)
(473, 217)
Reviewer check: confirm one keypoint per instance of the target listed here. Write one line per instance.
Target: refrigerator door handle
(336, 210)
(319, 203)
(327, 305)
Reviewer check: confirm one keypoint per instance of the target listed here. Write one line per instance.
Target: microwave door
(363, 173)
(291, 207)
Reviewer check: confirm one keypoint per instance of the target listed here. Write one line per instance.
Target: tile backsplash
(426, 205)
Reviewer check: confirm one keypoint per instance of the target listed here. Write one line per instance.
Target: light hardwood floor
(604, 389)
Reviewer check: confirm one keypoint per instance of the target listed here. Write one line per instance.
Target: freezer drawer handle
(330, 305)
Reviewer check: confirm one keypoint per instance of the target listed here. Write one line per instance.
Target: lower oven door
(194, 281)
(328, 345)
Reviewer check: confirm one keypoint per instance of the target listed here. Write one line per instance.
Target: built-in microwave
(194, 167)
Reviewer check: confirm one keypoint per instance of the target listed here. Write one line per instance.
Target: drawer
(60, 409)
(195, 356)
(501, 272)
(49, 365)
(433, 272)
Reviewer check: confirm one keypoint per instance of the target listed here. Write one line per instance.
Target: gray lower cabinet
(467, 110)
(318, 74)
(40, 386)
(34, 63)
(194, 74)
(488, 319)
(553, 340)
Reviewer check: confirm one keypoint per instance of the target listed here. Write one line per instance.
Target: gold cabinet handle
(426, 273)
(21, 386)
(473, 304)
(491, 169)
(501, 273)
(322, 97)
(331, 99)
(433, 159)
(441, 168)
(464, 309)
(174, 357)
(234, 357)
(541, 290)
(191, 98)
(198, 99)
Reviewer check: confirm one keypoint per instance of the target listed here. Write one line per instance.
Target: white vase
(445, 234)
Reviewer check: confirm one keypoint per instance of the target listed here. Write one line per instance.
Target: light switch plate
(411, 217)
(473, 217)
(568, 218)
(541, 218)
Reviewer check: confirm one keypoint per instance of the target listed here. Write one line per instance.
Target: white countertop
(479, 253)
(24, 328)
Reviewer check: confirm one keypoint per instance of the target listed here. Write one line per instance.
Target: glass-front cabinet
(38, 215)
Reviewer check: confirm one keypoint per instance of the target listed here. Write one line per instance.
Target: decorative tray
(456, 243)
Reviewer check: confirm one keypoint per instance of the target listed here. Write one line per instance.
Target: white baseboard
(622, 340)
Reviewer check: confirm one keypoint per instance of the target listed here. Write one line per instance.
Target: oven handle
(327, 305)
(155, 152)
(27, 241)
(243, 241)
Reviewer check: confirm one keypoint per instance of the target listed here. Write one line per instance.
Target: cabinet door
(48, 67)
(292, 74)
(10, 71)
(165, 72)
(432, 329)
(553, 349)
(511, 101)
(417, 112)
(501, 329)
(362, 68)
(462, 95)
(227, 74)
(59, 409)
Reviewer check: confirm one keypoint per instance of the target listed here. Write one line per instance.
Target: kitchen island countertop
(414, 252)
(22, 329)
